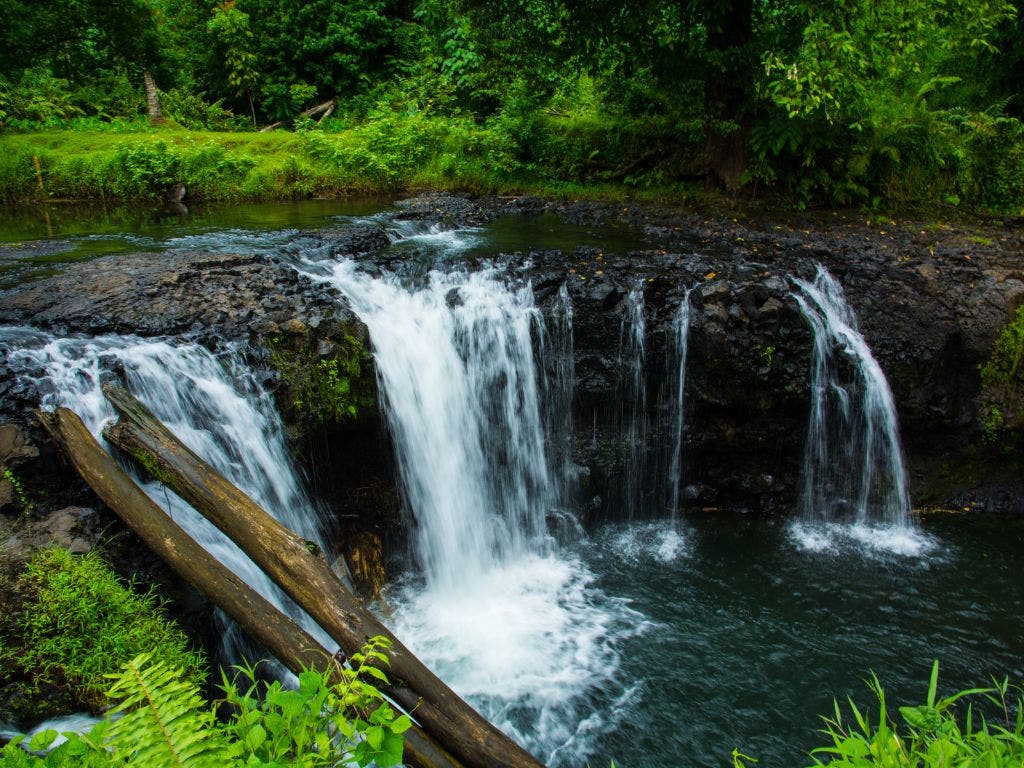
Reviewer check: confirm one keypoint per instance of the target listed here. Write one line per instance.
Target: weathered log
(327, 108)
(284, 556)
(286, 640)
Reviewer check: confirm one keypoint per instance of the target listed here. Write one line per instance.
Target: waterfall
(462, 395)
(853, 462)
(214, 404)
(631, 401)
(476, 389)
(677, 413)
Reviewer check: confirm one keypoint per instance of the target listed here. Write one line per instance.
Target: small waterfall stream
(560, 386)
(631, 401)
(676, 354)
(853, 463)
(212, 403)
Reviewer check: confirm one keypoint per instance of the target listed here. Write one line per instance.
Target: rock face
(929, 300)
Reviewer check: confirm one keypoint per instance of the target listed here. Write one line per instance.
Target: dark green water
(36, 240)
(751, 636)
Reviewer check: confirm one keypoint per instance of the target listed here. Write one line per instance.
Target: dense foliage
(75, 624)
(870, 103)
(333, 717)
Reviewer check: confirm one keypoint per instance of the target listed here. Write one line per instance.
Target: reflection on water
(36, 240)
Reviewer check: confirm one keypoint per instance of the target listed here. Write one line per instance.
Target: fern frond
(166, 724)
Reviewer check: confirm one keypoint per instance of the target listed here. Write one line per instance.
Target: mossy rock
(1001, 405)
(324, 382)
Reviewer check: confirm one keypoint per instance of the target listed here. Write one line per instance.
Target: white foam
(663, 541)
(531, 643)
(78, 722)
(870, 539)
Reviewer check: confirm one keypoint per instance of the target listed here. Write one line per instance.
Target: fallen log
(327, 108)
(286, 640)
(308, 579)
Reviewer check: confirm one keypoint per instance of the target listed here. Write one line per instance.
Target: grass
(78, 623)
(395, 152)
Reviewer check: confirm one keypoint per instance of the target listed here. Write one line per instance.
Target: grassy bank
(381, 156)
(582, 156)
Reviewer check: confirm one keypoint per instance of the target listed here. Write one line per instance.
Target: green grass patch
(77, 623)
(566, 156)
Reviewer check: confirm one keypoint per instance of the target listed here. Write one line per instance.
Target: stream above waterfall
(590, 631)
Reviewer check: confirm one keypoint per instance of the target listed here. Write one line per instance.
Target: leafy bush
(932, 735)
(860, 111)
(334, 718)
(78, 623)
(36, 98)
(191, 110)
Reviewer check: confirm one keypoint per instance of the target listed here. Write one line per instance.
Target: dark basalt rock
(930, 302)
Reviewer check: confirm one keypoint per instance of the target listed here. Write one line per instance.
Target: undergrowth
(940, 733)
(78, 623)
(334, 717)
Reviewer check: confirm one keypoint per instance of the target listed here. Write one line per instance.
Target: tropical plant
(933, 734)
(333, 718)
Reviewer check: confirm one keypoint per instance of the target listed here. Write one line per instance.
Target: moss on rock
(326, 382)
(67, 622)
(1001, 405)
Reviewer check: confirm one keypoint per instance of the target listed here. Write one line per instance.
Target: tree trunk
(156, 115)
(285, 557)
(292, 645)
(727, 93)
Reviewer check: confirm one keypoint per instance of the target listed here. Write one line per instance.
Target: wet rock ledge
(930, 299)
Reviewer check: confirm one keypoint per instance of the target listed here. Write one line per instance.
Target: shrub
(78, 623)
(334, 718)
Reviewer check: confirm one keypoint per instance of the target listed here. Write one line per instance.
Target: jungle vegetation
(876, 104)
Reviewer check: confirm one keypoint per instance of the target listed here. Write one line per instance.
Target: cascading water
(459, 380)
(213, 404)
(853, 463)
(631, 400)
(500, 611)
(677, 412)
(560, 385)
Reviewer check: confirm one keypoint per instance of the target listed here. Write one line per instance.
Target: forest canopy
(850, 102)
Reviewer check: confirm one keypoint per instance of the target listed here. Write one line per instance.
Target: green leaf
(933, 684)
(401, 724)
(255, 737)
(375, 736)
(42, 740)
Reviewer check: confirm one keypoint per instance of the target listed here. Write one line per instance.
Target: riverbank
(140, 164)
(381, 156)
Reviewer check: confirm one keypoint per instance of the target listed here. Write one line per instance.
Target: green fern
(166, 723)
